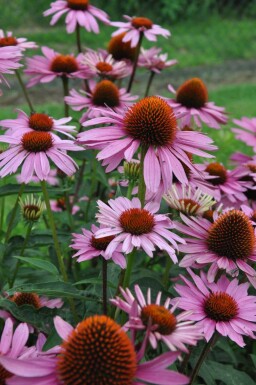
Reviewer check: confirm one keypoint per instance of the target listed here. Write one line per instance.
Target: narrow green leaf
(41, 264)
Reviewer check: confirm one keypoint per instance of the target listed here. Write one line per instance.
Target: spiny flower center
(120, 50)
(98, 351)
(4, 375)
(40, 122)
(102, 66)
(31, 212)
(221, 307)
(64, 63)
(36, 141)
(216, 169)
(78, 4)
(252, 167)
(192, 94)
(106, 93)
(160, 316)
(232, 236)
(26, 299)
(208, 214)
(189, 206)
(101, 243)
(142, 22)
(7, 41)
(137, 221)
(152, 121)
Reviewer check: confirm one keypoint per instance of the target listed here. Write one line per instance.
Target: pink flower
(9, 61)
(92, 352)
(137, 26)
(174, 331)
(247, 132)
(45, 69)
(151, 60)
(223, 306)
(102, 64)
(192, 104)
(34, 149)
(37, 122)
(21, 44)
(150, 123)
(103, 95)
(88, 247)
(137, 227)
(78, 12)
(228, 243)
(59, 205)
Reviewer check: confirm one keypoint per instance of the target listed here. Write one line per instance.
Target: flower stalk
(135, 63)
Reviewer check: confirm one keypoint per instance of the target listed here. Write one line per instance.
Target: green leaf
(94, 281)
(13, 189)
(53, 340)
(253, 357)
(41, 264)
(229, 375)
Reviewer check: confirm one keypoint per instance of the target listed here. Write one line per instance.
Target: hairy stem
(150, 80)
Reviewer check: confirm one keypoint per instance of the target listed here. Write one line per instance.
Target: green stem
(78, 38)
(14, 211)
(166, 278)
(135, 63)
(151, 77)
(2, 213)
(21, 254)
(142, 186)
(104, 285)
(69, 211)
(79, 181)
(202, 357)
(128, 271)
(66, 92)
(93, 187)
(24, 90)
(129, 190)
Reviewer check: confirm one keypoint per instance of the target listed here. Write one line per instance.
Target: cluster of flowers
(151, 143)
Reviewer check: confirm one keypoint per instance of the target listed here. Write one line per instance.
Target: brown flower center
(120, 50)
(36, 141)
(101, 243)
(64, 64)
(102, 66)
(152, 121)
(160, 316)
(253, 216)
(142, 22)
(137, 221)
(61, 203)
(192, 94)
(31, 212)
(232, 236)
(220, 307)
(98, 351)
(208, 214)
(79, 5)
(190, 206)
(216, 169)
(252, 167)
(106, 93)
(7, 41)
(26, 299)
(40, 122)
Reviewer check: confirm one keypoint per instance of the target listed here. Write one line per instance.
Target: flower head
(59, 205)
(154, 61)
(44, 69)
(174, 331)
(8, 40)
(34, 149)
(136, 227)
(192, 103)
(120, 50)
(228, 243)
(31, 208)
(247, 131)
(152, 124)
(78, 13)
(135, 26)
(9, 61)
(223, 306)
(88, 247)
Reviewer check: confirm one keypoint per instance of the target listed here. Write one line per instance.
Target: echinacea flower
(174, 331)
(120, 50)
(59, 205)
(104, 65)
(78, 13)
(136, 227)
(44, 69)
(9, 62)
(37, 122)
(154, 61)
(103, 95)
(7, 40)
(188, 201)
(149, 123)
(35, 300)
(31, 208)
(137, 26)
(88, 247)
(228, 243)
(247, 131)
(96, 351)
(34, 149)
(224, 306)
(191, 101)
